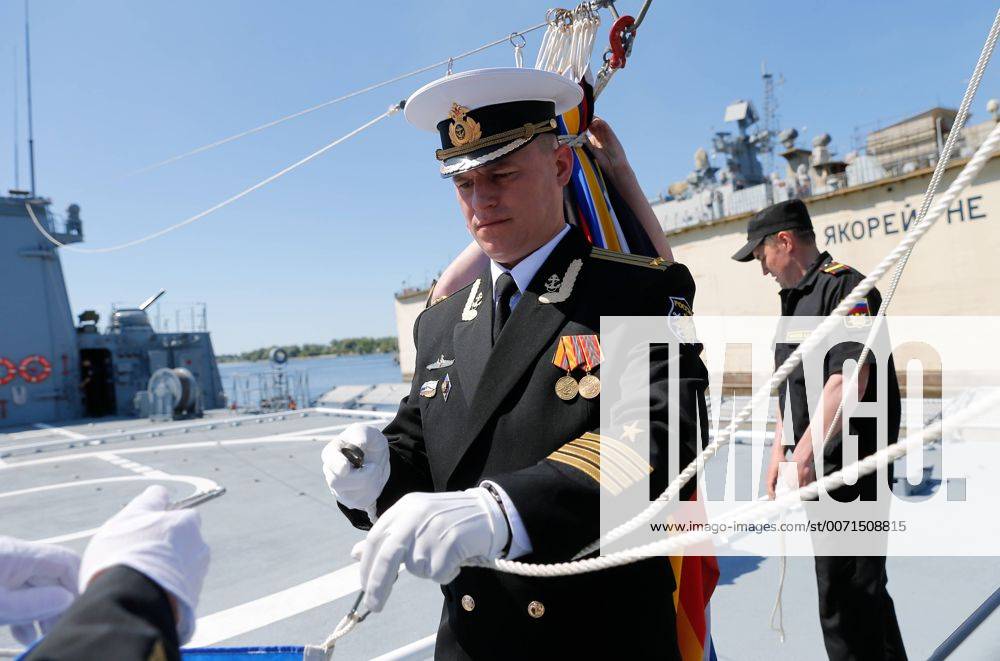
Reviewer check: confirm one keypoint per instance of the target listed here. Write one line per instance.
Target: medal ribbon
(566, 356)
(573, 356)
(589, 347)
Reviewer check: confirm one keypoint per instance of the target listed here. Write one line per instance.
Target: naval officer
(495, 452)
(856, 612)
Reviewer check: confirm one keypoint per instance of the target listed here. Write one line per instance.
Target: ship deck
(281, 572)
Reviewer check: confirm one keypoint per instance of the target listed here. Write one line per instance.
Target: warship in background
(52, 370)
(860, 204)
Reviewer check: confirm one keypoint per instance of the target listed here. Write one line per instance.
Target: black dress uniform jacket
(123, 615)
(502, 421)
(856, 612)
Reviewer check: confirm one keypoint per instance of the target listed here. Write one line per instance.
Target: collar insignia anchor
(552, 284)
(564, 288)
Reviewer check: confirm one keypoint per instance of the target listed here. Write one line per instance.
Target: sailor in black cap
(497, 452)
(856, 611)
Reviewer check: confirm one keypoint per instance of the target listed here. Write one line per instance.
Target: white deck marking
(68, 537)
(133, 466)
(161, 448)
(418, 650)
(282, 605)
(124, 435)
(199, 483)
(58, 430)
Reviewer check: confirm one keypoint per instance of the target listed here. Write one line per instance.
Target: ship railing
(62, 229)
(173, 317)
(267, 391)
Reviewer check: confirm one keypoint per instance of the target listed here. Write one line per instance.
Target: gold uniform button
(536, 609)
(468, 603)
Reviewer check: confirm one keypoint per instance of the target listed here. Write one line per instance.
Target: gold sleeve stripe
(630, 465)
(626, 473)
(634, 457)
(608, 468)
(586, 467)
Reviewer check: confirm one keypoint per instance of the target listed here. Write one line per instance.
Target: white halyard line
(259, 613)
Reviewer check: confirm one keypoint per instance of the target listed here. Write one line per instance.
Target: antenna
(770, 118)
(17, 129)
(31, 130)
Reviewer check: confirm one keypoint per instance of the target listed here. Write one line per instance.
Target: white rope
(942, 164)
(344, 627)
(763, 510)
(350, 95)
(963, 112)
(971, 169)
(277, 175)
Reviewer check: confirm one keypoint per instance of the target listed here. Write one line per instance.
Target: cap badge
(463, 129)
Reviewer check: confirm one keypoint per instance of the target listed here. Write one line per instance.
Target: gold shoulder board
(634, 260)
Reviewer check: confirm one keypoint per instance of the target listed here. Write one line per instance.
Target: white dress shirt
(523, 273)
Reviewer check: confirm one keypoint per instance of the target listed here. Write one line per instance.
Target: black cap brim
(745, 254)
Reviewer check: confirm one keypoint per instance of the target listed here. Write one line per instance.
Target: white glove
(433, 534)
(357, 488)
(37, 583)
(164, 545)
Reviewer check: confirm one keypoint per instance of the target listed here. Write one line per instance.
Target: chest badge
(440, 363)
(552, 284)
(446, 387)
(428, 389)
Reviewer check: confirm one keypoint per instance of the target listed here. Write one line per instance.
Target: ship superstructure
(52, 369)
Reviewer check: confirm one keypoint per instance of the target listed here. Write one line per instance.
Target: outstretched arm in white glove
(164, 545)
(432, 534)
(37, 583)
(357, 488)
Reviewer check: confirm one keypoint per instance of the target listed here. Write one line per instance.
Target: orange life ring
(10, 371)
(36, 375)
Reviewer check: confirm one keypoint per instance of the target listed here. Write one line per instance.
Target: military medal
(446, 387)
(428, 389)
(589, 349)
(566, 359)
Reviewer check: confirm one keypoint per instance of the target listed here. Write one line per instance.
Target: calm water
(324, 372)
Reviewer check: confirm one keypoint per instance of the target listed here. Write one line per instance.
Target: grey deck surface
(277, 527)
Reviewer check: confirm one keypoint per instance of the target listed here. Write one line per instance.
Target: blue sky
(317, 255)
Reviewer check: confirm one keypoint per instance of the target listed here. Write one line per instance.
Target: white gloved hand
(433, 534)
(164, 545)
(357, 488)
(37, 583)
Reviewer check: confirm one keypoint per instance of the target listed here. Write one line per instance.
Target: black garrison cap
(787, 215)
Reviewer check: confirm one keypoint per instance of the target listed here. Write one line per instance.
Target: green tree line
(350, 346)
